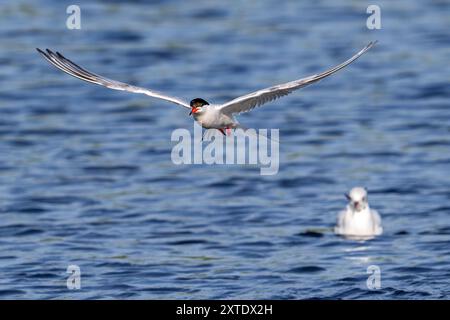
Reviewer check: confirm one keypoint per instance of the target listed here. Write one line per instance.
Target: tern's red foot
(228, 131)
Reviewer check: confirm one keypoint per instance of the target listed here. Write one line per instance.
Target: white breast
(212, 118)
(364, 223)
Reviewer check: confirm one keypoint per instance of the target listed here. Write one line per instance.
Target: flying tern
(209, 116)
(358, 220)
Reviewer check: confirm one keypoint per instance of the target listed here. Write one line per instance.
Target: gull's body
(358, 219)
(218, 116)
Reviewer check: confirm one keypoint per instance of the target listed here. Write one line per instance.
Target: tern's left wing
(258, 98)
(64, 64)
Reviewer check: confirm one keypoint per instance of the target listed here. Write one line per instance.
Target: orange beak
(193, 110)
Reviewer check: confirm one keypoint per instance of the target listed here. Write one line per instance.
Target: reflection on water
(86, 177)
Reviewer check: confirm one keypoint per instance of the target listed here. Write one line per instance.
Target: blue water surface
(86, 176)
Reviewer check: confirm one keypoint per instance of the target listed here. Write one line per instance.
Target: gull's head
(197, 105)
(357, 198)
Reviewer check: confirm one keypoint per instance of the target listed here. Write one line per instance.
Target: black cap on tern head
(200, 101)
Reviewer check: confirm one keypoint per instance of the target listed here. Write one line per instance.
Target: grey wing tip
(50, 53)
(46, 54)
(371, 44)
(367, 47)
(41, 51)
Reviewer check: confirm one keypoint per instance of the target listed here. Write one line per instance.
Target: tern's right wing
(258, 98)
(64, 64)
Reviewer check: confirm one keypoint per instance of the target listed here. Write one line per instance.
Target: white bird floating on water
(358, 221)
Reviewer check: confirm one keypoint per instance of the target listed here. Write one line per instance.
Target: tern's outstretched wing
(64, 64)
(258, 98)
